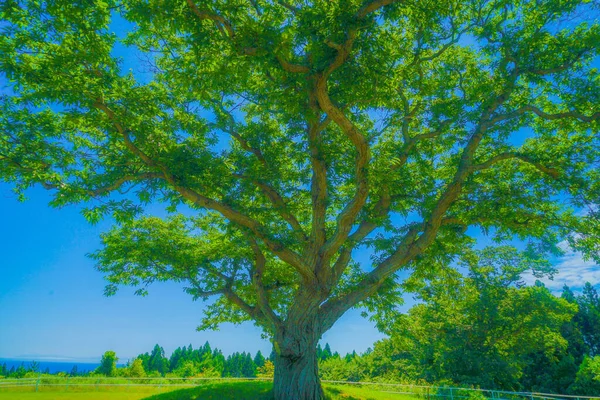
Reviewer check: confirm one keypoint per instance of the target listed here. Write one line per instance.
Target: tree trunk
(296, 365)
(297, 375)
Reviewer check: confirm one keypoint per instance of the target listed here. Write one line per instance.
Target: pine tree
(248, 366)
(175, 359)
(589, 318)
(259, 360)
(326, 352)
(157, 361)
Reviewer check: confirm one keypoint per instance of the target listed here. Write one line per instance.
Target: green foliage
(286, 133)
(283, 137)
(587, 381)
(135, 369)
(588, 318)
(259, 360)
(479, 330)
(267, 370)
(108, 364)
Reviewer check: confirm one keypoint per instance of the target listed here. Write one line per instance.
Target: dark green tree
(587, 381)
(284, 135)
(482, 329)
(34, 366)
(157, 361)
(555, 373)
(589, 318)
(326, 353)
(259, 359)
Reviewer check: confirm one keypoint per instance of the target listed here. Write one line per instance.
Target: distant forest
(481, 330)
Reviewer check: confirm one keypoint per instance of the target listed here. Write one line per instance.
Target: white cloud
(573, 271)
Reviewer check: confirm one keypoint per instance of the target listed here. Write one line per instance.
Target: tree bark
(297, 375)
(296, 364)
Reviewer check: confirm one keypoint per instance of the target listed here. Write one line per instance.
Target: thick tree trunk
(297, 375)
(296, 366)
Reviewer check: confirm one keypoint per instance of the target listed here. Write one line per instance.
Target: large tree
(481, 329)
(286, 136)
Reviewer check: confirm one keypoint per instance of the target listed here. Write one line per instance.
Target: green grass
(81, 393)
(252, 390)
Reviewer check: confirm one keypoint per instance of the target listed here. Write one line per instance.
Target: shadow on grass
(221, 391)
(244, 390)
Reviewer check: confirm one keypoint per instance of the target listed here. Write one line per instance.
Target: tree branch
(261, 294)
(285, 254)
(318, 185)
(348, 215)
(279, 205)
(221, 23)
(553, 172)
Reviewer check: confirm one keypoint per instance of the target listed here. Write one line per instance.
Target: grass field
(216, 391)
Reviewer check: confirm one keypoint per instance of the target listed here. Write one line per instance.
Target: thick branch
(221, 23)
(373, 6)
(348, 215)
(261, 293)
(285, 254)
(318, 186)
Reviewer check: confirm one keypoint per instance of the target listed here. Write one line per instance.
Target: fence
(416, 391)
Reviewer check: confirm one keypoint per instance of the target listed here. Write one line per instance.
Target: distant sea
(52, 366)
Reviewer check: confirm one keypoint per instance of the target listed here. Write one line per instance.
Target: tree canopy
(483, 329)
(284, 137)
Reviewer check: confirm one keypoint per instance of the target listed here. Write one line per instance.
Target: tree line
(184, 362)
(480, 329)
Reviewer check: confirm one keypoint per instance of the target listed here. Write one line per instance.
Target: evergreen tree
(259, 360)
(20, 371)
(175, 359)
(4, 370)
(326, 353)
(589, 318)
(206, 348)
(248, 366)
(34, 366)
(74, 371)
(157, 361)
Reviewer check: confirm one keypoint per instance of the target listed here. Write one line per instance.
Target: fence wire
(417, 391)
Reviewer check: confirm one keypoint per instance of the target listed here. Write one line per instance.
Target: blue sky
(51, 297)
(51, 301)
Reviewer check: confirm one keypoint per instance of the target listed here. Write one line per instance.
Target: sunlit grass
(253, 390)
(82, 392)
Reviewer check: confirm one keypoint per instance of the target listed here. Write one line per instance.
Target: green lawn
(254, 390)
